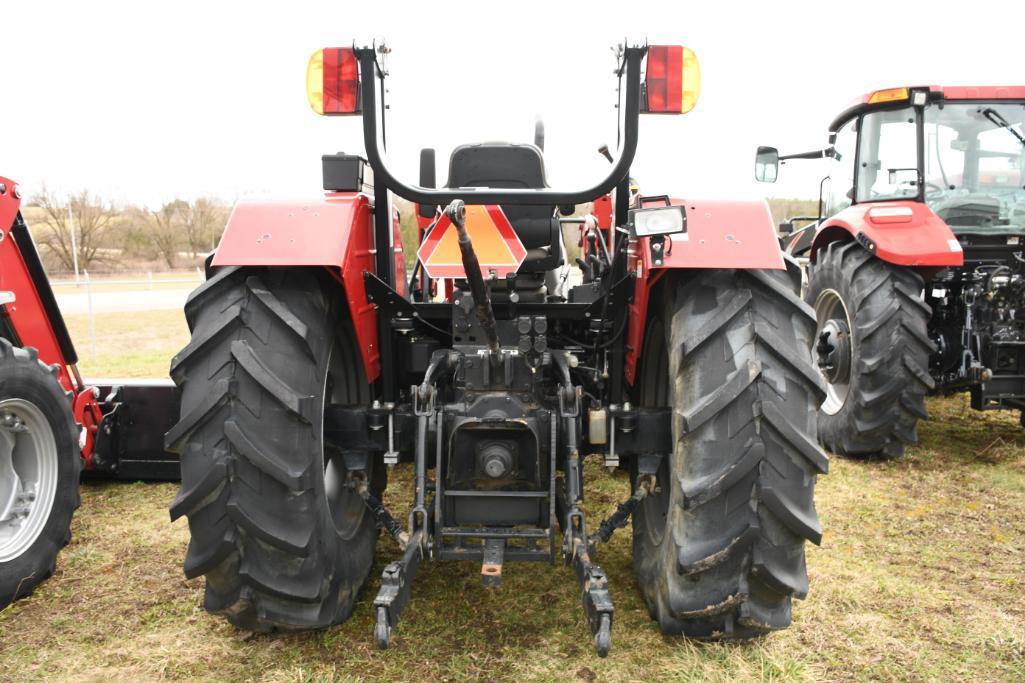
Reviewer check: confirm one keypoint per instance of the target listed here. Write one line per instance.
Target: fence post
(92, 318)
(149, 275)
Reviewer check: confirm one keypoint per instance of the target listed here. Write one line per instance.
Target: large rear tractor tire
(283, 539)
(719, 547)
(872, 347)
(40, 462)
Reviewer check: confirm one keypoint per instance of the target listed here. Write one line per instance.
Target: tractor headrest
(501, 165)
(496, 164)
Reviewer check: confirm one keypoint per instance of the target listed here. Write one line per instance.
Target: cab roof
(888, 97)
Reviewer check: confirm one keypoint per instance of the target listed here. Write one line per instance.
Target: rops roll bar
(371, 73)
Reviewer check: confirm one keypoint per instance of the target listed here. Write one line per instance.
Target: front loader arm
(33, 315)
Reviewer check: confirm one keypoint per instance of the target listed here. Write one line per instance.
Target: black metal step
(493, 532)
(496, 494)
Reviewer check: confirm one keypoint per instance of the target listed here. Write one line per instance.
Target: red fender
(905, 233)
(335, 231)
(720, 234)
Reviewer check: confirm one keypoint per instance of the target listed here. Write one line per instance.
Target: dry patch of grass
(137, 344)
(919, 578)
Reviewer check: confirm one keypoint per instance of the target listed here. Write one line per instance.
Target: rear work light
(672, 80)
(661, 220)
(332, 81)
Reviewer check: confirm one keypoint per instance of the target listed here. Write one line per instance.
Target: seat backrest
(501, 165)
(505, 166)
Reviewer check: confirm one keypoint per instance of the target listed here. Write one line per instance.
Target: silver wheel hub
(834, 349)
(28, 476)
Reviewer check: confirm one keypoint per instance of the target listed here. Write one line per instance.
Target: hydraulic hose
(456, 212)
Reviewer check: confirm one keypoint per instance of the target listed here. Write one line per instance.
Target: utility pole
(74, 242)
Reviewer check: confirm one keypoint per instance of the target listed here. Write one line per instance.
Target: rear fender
(904, 233)
(720, 235)
(335, 232)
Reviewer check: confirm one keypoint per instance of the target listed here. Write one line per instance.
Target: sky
(142, 102)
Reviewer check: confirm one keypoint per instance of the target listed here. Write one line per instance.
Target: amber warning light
(672, 80)
(332, 81)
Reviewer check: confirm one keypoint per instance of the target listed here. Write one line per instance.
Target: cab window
(841, 170)
(888, 156)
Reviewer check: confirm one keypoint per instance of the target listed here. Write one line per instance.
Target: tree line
(108, 236)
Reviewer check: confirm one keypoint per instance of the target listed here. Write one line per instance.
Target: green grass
(138, 344)
(919, 577)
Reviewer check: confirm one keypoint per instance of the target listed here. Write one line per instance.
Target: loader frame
(119, 439)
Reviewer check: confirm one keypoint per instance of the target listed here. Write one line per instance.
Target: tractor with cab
(916, 261)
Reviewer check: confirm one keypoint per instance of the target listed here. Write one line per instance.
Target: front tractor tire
(40, 461)
(719, 546)
(283, 539)
(872, 347)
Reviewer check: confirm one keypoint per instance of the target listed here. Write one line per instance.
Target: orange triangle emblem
(499, 249)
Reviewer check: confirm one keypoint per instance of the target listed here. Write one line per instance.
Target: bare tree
(164, 229)
(201, 223)
(91, 217)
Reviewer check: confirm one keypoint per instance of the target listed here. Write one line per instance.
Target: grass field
(138, 344)
(920, 577)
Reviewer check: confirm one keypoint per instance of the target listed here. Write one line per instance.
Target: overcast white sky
(145, 101)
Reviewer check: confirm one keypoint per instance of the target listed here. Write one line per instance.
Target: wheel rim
(28, 475)
(655, 393)
(347, 506)
(834, 349)
(656, 505)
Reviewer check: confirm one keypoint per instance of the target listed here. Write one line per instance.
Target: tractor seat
(505, 165)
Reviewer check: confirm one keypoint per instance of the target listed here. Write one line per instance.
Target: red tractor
(915, 261)
(53, 425)
(683, 357)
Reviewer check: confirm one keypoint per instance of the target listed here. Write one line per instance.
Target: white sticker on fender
(954, 245)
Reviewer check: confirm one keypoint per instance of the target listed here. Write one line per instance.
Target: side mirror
(767, 164)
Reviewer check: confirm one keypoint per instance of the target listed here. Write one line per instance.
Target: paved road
(75, 302)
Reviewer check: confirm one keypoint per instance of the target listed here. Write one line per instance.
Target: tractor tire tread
(889, 367)
(23, 375)
(745, 461)
(263, 534)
